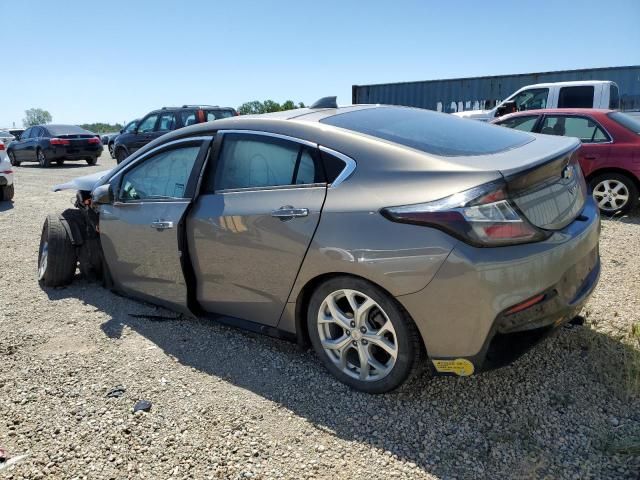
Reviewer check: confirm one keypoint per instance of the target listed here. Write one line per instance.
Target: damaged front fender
(86, 183)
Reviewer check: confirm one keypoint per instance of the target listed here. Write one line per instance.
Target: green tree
(36, 116)
(271, 106)
(256, 106)
(250, 108)
(101, 127)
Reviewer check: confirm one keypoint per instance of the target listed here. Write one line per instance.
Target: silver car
(382, 236)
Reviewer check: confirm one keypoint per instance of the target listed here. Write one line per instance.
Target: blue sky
(114, 61)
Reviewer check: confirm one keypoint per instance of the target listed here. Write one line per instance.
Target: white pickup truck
(582, 94)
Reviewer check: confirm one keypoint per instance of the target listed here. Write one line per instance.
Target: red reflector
(8, 172)
(508, 230)
(526, 304)
(59, 141)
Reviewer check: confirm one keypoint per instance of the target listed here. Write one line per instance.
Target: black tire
(60, 162)
(42, 159)
(6, 193)
(610, 208)
(91, 160)
(121, 155)
(60, 264)
(111, 152)
(89, 252)
(12, 159)
(410, 349)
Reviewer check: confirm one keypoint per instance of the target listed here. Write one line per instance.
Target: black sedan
(46, 144)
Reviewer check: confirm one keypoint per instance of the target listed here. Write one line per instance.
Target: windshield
(626, 121)
(430, 132)
(56, 130)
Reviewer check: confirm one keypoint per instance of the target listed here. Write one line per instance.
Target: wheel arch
(619, 171)
(304, 296)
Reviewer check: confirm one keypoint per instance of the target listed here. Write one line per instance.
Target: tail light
(59, 141)
(482, 216)
(7, 172)
(94, 141)
(1, 146)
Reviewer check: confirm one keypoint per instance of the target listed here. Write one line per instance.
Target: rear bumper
(65, 153)
(461, 313)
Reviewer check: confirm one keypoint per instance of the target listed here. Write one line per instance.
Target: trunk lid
(543, 178)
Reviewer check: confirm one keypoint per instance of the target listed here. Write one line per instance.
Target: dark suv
(161, 121)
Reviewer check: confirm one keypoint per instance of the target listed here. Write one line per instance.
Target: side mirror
(102, 195)
(122, 130)
(506, 108)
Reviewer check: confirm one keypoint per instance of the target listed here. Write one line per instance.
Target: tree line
(38, 116)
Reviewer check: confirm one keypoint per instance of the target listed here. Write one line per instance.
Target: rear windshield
(56, 130)
(626, 121)
(431, 132)
(218, 114)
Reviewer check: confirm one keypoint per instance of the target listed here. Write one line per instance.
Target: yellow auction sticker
(459, 366)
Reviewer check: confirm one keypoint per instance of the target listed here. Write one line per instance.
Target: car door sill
(251, 326)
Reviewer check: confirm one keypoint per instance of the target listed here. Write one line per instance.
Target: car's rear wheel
(91, 160)
(6, 193)
(57, 256)
(12, 159)
(111, 152)
(121, 155)
(614, 192)
(43, 161)
(361, 334)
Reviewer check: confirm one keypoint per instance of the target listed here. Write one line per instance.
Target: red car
(610, 153)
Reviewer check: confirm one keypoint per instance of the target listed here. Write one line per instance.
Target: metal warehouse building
(457, 94)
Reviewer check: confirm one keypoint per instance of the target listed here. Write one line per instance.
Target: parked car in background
(159, 122)
(6, 137)
(610, 153)
(16, 132)
(47, 144)
(579, 94)
(128, 128)
(362, 230)
(6, 175)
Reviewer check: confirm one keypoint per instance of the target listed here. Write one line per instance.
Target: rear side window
(429, 131)
(251, 161)
(583, 128)
(614, 97)
(524, 124)
(217, 114)
(576, 97)
(626, 121)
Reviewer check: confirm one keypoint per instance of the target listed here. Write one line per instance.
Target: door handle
(590, 157)
(289, 212)
(162, 225)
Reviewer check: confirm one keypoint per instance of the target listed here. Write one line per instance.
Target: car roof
(577, 83)
(566, 111)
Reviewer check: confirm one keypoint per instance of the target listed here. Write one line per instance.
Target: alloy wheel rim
(44, 260)
(41, 158)
(611, 195)
(357, 335)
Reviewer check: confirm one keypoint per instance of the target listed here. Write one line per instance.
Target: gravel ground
(228, 404)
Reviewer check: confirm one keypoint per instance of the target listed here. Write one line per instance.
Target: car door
(251, 225)
(596, 142)
(32, 143)
(144, 133)
(141, 231)
(18, 146)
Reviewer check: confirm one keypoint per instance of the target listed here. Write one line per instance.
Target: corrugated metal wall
(484, 92)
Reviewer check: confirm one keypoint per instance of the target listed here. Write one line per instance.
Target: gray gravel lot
(228, 404)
